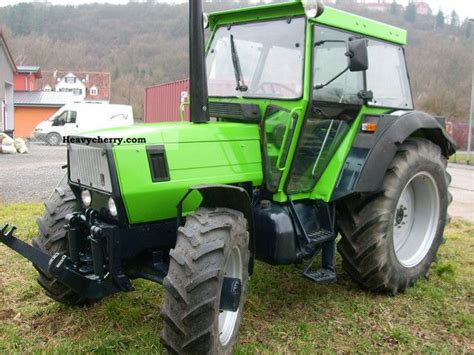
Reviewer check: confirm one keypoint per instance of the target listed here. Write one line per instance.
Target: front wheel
(53, 139)
(208, 272)
(390, 239)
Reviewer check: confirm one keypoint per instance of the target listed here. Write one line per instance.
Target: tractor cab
(307, 77)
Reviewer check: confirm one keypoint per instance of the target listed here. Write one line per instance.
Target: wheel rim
(416, 219)
(228, 319)
(54, 139)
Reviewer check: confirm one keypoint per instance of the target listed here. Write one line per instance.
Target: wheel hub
(400, 215)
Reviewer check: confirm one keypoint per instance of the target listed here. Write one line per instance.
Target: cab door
(335, 105)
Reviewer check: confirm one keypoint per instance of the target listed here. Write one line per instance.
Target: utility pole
(469, 134)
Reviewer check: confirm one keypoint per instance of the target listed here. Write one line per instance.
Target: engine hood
(180, 132)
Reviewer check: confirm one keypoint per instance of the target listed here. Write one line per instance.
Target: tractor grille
(235, 111)
(89, 167)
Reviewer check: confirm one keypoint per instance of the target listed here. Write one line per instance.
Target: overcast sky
(465, 8)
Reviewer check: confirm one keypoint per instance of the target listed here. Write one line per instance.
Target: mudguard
(372, 153)
(227, 196)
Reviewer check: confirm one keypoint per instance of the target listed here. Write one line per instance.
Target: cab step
(320, 236)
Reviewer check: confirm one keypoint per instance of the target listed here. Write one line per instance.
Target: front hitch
(65, 270)
(37, 257)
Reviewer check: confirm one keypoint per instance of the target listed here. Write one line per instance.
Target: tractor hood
(178, 132)
(191, 154)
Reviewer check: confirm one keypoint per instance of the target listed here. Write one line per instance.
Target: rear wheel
(390, 239)
(211, 249)
(52, 239)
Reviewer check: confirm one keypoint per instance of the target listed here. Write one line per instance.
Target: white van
(73, 119)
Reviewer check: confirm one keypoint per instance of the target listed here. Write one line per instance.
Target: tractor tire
(52, 239)
(391, 238)
(212, 244)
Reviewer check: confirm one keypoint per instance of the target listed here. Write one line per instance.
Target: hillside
(146, 44)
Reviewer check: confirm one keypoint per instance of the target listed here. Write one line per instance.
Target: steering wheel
(273, 87)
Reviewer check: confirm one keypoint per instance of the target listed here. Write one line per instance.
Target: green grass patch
(284, 312)
(461, 158)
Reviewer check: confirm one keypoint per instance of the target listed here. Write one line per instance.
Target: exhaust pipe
(199, 111)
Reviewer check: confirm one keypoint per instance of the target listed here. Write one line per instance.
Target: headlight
(112, 207)
(86, 198)
(38, 130)
(205, 20)
(313, 8)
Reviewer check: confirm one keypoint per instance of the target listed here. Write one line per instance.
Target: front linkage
(94, 275)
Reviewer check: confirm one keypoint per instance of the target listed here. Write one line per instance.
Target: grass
(284, 313)
(461, 158)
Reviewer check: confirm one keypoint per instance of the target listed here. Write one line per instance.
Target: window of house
(387, 76)
(70, 79)
(329, 60)
(47, 88)
(77, 92)
(94, 91)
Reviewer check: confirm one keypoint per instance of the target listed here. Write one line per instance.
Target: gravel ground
(32, 177)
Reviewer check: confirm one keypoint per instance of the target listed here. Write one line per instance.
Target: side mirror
(358, 54)
(56, 122)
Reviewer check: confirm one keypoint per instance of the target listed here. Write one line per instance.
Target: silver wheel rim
(416, 219)
(228, 319)
(54, 140)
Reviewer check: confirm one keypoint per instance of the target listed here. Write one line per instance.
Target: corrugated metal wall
(162, 102)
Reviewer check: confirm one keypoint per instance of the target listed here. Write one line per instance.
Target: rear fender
(371, 154)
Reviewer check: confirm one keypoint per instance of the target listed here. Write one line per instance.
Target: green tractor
(302, 128)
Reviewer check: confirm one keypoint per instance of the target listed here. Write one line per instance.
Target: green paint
(214, 153)
(326, 184)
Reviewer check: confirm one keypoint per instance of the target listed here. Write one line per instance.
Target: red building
(163, 102)
(25, 78)
(422, 8)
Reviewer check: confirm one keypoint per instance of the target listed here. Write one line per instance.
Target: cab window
(329, 60)
(387, 76)
(64, 118)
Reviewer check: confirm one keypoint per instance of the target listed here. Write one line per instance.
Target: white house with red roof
(90, 87)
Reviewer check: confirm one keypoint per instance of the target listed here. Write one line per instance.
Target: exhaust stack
(199, 111)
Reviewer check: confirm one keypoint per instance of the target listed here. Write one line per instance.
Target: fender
(371, 154)
(227, 196)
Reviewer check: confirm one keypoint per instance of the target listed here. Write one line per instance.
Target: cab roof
(331, 17)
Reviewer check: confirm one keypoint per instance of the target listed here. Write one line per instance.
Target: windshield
(258, 60)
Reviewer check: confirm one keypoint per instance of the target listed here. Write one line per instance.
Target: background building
(25, 78)
(7, 71)
(33, 107)
(91, 87)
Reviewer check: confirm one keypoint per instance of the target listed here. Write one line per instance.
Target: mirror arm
(321, 86)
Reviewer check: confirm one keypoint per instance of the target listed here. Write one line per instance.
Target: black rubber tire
(194, 281)
(53, 139)
(52, 239)
(366, 222)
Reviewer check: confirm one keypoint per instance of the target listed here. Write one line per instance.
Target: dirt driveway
(32, 177)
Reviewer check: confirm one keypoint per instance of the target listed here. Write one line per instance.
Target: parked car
(73, 119)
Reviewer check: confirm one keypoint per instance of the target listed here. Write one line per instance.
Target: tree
(454, 19)
(394, 8)
(468, 29)
(440, 20)
(410, 13)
